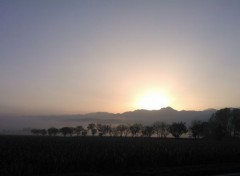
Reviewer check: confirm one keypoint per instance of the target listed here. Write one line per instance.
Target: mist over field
(145, 117)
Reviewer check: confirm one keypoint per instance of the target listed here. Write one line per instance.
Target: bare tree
(136, 129)
(161, 129)
(123, 130)
(148, 131)
(103, 129)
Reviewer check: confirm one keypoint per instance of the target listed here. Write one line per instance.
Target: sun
(152, 101)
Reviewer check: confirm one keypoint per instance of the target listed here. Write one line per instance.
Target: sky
(80, 56)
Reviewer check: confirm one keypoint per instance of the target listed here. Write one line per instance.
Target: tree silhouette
(161, 129)
(136, 129)
(123, 130)
(42, 132)
(92, 128)
(220, 123)
(78, 130)
(115, 131)
(103, 129)
(225, 123)
(108, 129)
(35, 131)
(235, 121)
(52, 131)
(66, 131)
(148, 131)
(197, 129)
(94, 131)
(84, 132)
(100, 129)
(177, 129)
(126, 131)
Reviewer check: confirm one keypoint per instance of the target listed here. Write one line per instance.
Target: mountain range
(145, 117)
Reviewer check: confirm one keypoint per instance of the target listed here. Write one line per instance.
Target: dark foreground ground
(73, 156)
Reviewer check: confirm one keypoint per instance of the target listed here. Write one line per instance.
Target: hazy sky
(78, 56)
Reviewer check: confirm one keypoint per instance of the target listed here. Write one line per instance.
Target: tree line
(224, 123)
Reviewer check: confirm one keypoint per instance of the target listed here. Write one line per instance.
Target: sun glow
(152, 101)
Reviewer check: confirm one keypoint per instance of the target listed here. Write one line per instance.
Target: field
(39, 155)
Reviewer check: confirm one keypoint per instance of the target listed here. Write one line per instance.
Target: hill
(167, 114)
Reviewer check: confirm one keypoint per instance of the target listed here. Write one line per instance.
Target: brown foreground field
(52, 156)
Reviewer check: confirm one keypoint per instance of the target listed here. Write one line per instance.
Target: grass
(37, 155)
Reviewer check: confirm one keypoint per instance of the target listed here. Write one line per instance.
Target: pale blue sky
(81, 56)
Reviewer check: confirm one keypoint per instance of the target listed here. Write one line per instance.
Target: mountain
(167, 114)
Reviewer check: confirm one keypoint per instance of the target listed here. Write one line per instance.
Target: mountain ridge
(143, 116)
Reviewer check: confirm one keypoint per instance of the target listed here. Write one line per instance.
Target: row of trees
(160, 129)
(223, 123)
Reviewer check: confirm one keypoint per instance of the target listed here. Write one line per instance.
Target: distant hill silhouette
(167, 114)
